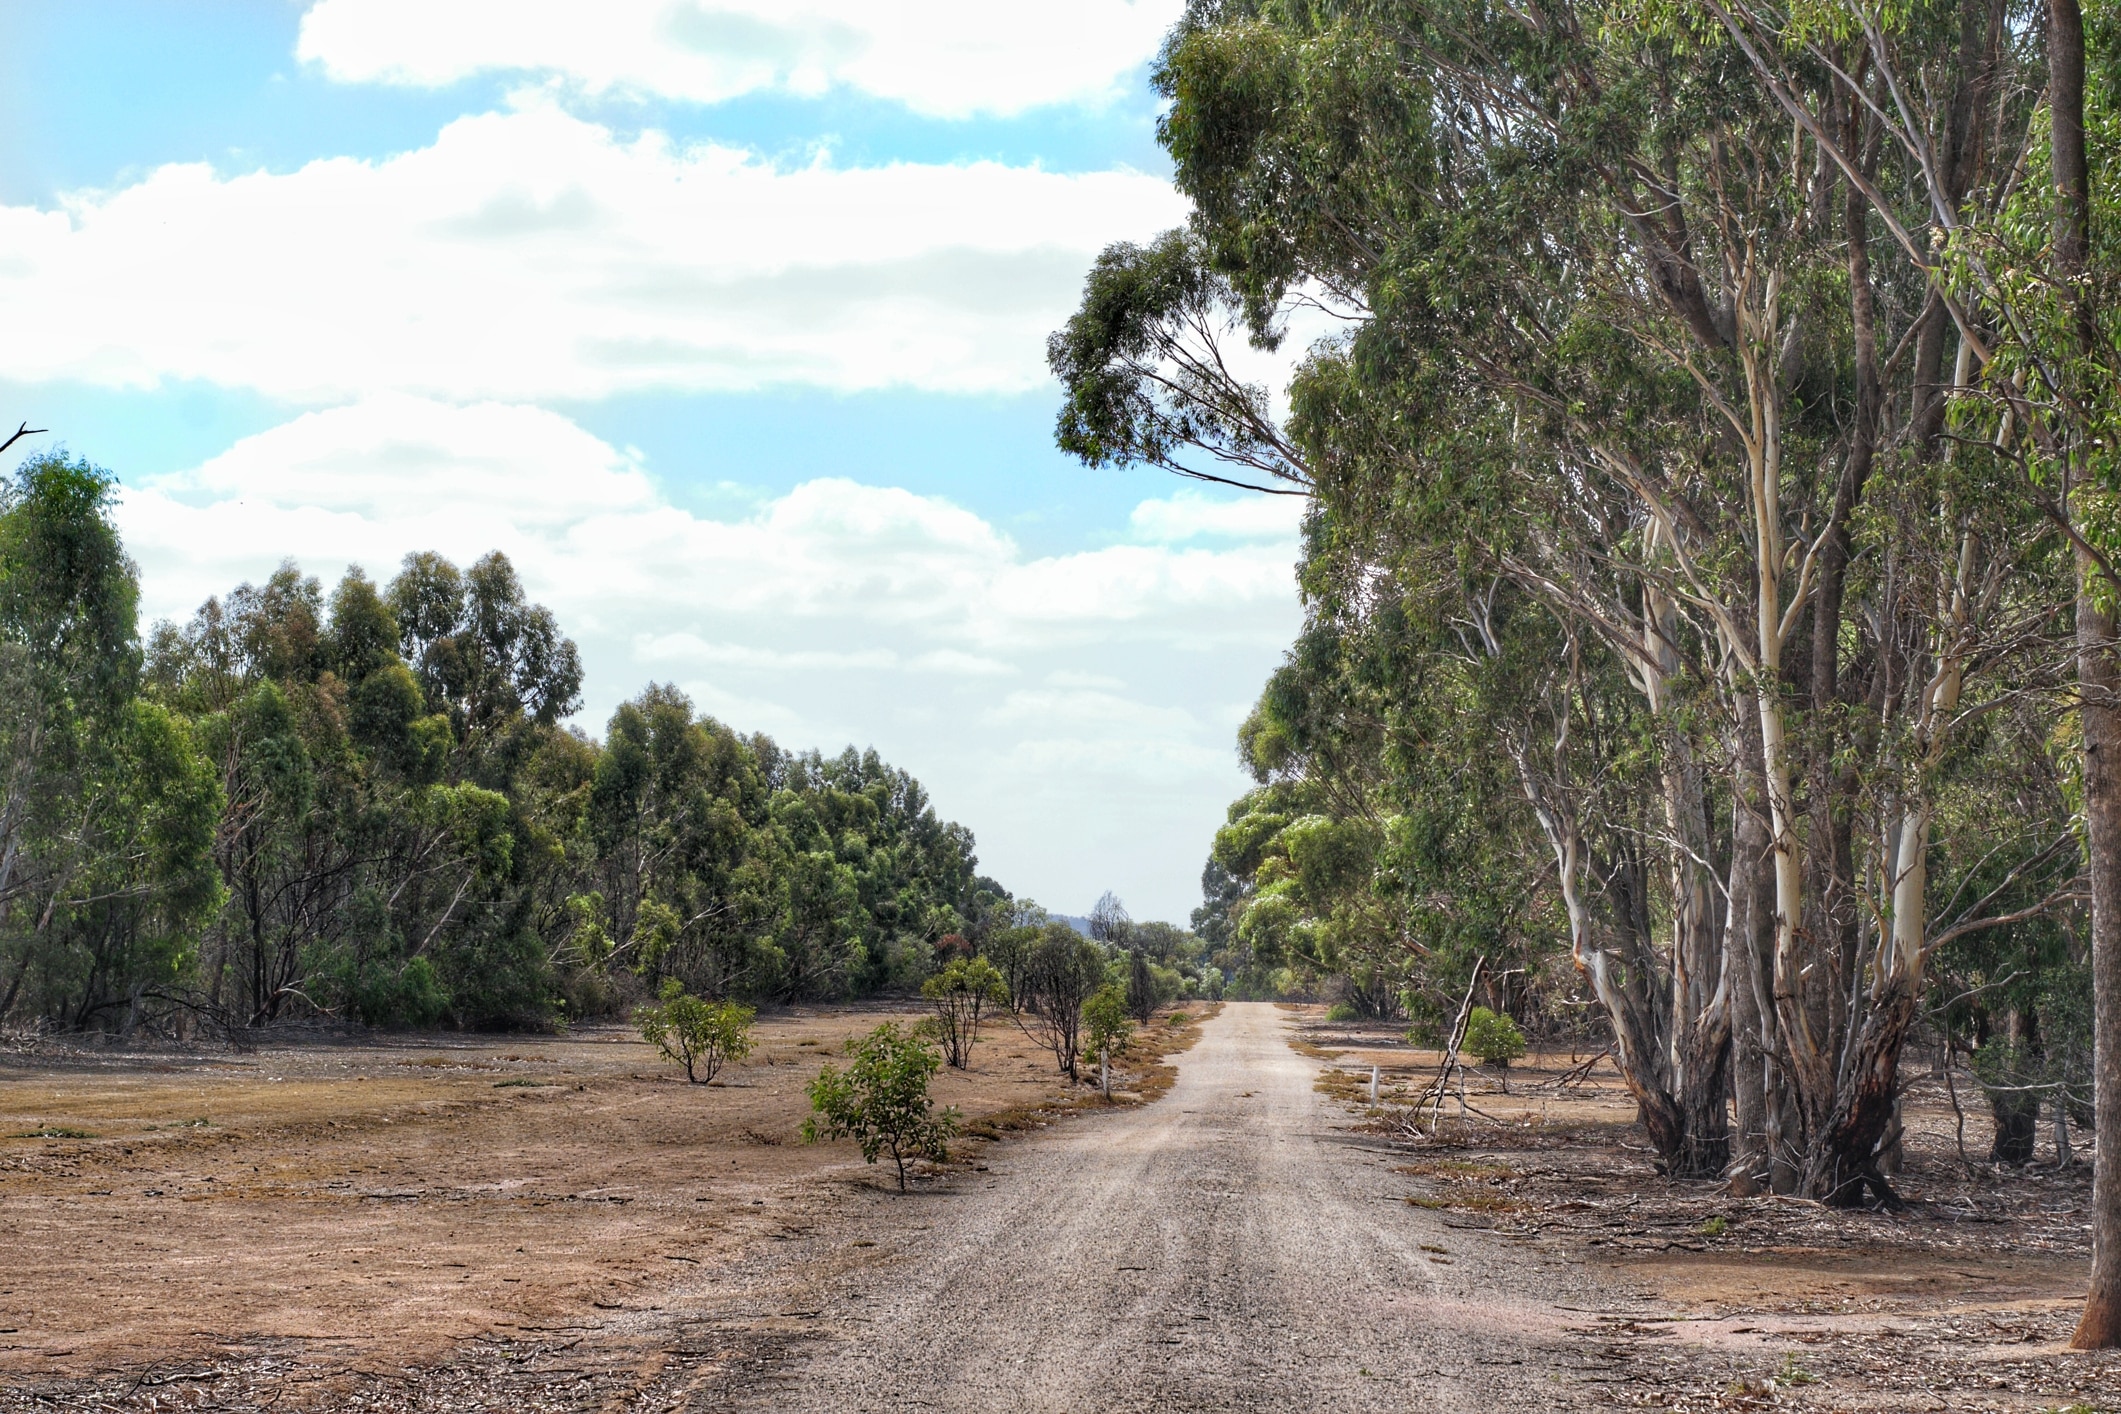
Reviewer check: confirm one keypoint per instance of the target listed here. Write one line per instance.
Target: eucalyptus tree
(1617, 340)
(1996, 117)
(107, 807)
(674, 810)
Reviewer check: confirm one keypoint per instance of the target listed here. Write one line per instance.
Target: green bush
(1341, 1011)
(699, 1035)
(1493, 1039)
(881, 1100)
(1107, 1022)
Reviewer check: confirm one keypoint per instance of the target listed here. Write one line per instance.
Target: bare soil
(373, 1204)
(1963, 1301)
(458, 1223)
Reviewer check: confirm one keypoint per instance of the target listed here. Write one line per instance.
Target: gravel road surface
(1232, 1246)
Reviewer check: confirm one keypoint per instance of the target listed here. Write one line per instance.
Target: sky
(723, 319)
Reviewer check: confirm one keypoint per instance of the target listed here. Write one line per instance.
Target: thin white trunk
(1940, 699)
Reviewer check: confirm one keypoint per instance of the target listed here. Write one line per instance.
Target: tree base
(2100, 1327)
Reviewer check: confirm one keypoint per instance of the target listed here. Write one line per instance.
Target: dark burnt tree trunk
(1845, 1161)
(2016, 1112)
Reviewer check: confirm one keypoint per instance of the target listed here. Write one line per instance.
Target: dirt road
(460, 1225)
(1229, 1247)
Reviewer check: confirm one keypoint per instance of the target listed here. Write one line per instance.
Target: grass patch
(523, 1084)
(1464, 1201)
(1714, 1227)
(1792, 1374)
(53, 1131)
(1461, 1170)
(1013, 1120)
(1464, 1185)
(1304, 1046)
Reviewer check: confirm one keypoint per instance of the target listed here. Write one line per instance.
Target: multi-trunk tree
(1645, 406)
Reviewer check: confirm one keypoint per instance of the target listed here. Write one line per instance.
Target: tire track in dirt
(1229, 1247)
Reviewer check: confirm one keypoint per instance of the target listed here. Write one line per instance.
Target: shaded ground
(1963, 1302)
(1257, 1238)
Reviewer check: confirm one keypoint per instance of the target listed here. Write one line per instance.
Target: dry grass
(1140, 1074)
(400, 1195)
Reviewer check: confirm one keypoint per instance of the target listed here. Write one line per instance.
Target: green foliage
(881, 1101)
(959, 994)
(1598, 556)
(700, 1035)
(1343, 1011)
(1062, 972)
(1108, 1023)
(108, 805)
(1792, 1375)
(1492, 1038)
(363, 804)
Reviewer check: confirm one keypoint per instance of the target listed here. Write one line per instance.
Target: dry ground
(376, 1203)
(514, 1223)
(1964, 1301)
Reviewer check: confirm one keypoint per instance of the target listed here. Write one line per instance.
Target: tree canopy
(366, 804)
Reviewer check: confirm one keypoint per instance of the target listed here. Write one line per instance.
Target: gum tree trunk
(1745, 971)
(2100, 714)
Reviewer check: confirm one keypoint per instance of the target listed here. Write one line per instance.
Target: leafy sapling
(700, 1035)
(960, 993)
(1494, 1039)
(1107, 1026)
(881, 1100)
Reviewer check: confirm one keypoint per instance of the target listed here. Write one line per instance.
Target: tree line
(1708, 572)
(366, 804)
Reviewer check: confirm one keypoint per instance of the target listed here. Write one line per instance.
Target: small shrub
(1177, 1018)
(700, 1035)
(1493, 1038)
(1107, 1023)
(881, 1100)
(1342, 1011)
(1714, 1227)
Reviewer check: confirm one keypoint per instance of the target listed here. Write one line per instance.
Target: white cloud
(946, 58)
(1189, 514)
(836, 612)
(531, 254)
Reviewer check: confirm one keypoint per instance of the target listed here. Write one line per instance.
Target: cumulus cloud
(945, 58)
(1076, 710)
(531, 254)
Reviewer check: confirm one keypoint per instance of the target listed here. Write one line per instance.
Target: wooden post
(1104, 1070)
(1373, 1087)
